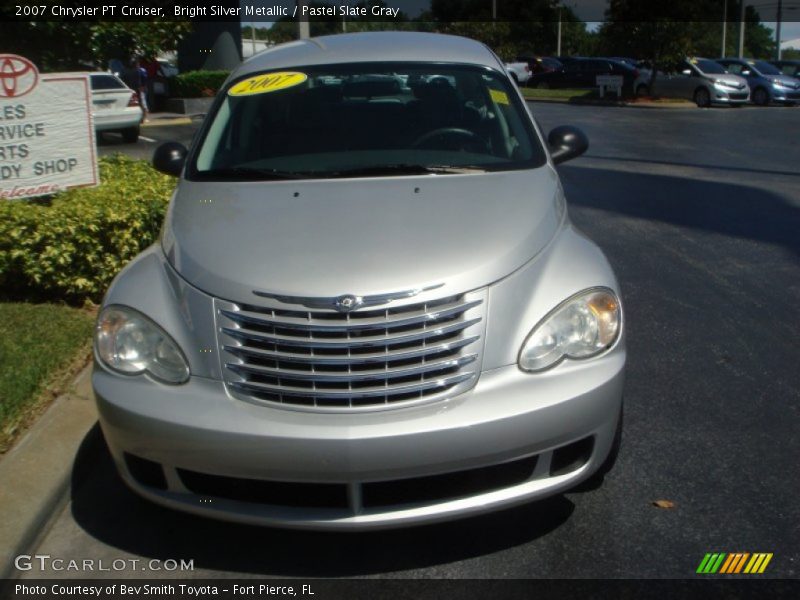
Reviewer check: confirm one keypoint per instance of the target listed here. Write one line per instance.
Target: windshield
(765, 68)
(367, 120)
(709, 67)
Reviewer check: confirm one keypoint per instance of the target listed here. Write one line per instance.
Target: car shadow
(106, 509)
(729, 209)
(110, 139)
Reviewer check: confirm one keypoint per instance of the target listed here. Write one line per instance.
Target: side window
(573, 67)
(598, 66)
(106, 82)
(788, 70)
(734, 68)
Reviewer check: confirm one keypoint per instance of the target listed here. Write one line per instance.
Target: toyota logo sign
(18, 76)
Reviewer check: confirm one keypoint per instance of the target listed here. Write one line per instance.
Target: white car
(115, 106)
(520, 72)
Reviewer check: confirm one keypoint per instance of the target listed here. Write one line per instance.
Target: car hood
(324, 238)
(736, 80)
(787, 81)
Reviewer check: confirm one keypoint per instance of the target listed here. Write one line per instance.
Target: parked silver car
(698, 79)
(368, 307)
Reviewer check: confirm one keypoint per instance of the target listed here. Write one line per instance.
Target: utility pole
(558, 37)
(741, 30)
(303, 29)
(724, 26)
(778, 30)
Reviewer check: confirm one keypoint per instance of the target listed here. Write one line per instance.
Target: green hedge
(71, 247)
(197, 84)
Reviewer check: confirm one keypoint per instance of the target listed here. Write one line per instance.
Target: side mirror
(170, 157)
(686, 72)
(567, 143)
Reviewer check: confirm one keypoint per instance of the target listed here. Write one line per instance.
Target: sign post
(605, 82)
(47, 139)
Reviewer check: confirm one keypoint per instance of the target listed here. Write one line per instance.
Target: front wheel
(702, 98)
(761, 97)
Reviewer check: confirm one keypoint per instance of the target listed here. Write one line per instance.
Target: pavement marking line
(147, 139)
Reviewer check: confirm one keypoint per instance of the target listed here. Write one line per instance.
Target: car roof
(374, 46)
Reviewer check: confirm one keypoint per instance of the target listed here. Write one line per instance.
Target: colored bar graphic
(740, 564)
(731, 560)
(767, 558)
(717, 564)
(703, 563)
(734, 563)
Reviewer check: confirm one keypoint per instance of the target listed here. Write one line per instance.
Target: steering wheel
(456, 134)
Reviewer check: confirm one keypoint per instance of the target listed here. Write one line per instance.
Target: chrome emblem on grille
(347, 303)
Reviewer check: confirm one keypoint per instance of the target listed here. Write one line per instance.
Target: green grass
(41, 346)
(565, 94)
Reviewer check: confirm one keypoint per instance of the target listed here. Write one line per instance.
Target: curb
(35, 474)
(170, 121)
(615, 104)
(166, 122)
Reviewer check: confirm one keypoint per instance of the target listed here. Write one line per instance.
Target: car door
(572, 76)
(594, 68)
(667, 84)
(685, 81)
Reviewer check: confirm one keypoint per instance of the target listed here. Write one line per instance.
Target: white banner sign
(47, 139)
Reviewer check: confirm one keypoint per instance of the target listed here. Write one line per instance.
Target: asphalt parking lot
(699, 212)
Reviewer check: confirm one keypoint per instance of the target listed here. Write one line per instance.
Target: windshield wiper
(255, 173)
(404, 169)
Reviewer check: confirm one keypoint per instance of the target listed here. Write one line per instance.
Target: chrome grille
(369, 358)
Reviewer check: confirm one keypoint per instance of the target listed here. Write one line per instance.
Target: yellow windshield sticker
(271, 82)
(693, 61)
(498, 96)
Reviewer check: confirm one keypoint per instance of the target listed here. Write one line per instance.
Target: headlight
(780, 84)
(131, 344)
(583, 326)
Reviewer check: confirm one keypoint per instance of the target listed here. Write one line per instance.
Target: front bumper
(116, 121)
(725, 96)
(785, 95)
(197, 429)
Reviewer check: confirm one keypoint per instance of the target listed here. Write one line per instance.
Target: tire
(596, 479)
(642, 91)
(131, 135)
(702, 98)
(761, 96)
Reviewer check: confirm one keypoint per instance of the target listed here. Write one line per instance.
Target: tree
(664, 33)
(125, 39)
(84, 44)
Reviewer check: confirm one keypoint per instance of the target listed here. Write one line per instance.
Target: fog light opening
(571, 457)
(146, 472)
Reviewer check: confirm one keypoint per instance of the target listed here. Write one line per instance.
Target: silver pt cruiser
(368, 307)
